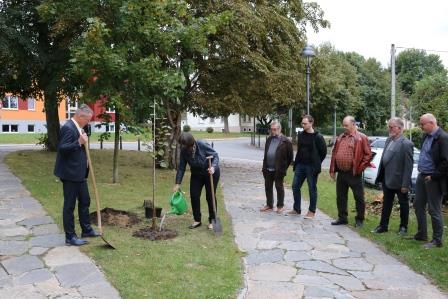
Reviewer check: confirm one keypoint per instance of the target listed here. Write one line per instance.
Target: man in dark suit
(394, 175)
(278, 155)
(72, 169)
(431, 181)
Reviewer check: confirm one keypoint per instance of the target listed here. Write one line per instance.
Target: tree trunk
(52, 118)
(226, 124)
(116, 147)
(172, 151)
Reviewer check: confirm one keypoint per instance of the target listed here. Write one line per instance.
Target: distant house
(237, 122)
(19, 115)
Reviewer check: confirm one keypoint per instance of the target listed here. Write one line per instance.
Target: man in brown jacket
(278, 155)
(351, 155)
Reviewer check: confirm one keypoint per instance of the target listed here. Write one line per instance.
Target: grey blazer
(396, 173)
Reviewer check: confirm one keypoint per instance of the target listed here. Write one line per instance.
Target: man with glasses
(278, 154)
(350, 156)
(311, 151)
(394, 175)
(431, 181)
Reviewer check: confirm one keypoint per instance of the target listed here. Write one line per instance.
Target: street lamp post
(308, 53)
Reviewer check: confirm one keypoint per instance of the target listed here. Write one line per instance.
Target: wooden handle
(212, 185)
(97, 198)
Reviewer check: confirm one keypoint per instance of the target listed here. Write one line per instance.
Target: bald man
(432, 180)
(350, 156)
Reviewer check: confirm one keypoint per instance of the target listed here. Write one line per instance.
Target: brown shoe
(266, 209)
(280, 210)
(293, 213)
(310, 215)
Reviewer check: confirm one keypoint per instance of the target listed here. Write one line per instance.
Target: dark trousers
(428, 193)
(73, 191)
(301, 173)
(197, 182)
(388, 203)
(269, 180)
(343, 182)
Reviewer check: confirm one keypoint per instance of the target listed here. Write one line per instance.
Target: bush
(209, 130)
(186, 128)
(417, 136)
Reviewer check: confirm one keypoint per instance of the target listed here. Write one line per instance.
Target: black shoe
(75, 241)
(193, 226)
(433, 244)
(418, 237)
(339, 222)
(359, 223)
(91, 234)
(379, 229)
(403, 231)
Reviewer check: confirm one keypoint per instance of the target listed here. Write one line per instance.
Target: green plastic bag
(178, 203)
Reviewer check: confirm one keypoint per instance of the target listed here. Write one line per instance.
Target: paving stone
(348, 283)
(271, 272)
(383, 275)
(289, 245)
(76, 275)
(327, 255)
(36, 221)
(52, 289)
(22, 292)
(65, 255)
(266, 256)
(400, 294)
(34, 276)
(21, 264)
(355, 264)
(269, 290)
(14, 231)
(13, 247)
(295, 256)
(99, 290)
(319, 292)
(320, 266)
(52, 240)
(266, 244)
(37, 250)
(45, 229)
(312, 280)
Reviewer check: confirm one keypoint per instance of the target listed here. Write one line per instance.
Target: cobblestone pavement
(34, 260)
(293, 257)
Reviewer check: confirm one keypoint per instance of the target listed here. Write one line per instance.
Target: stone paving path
(34, 260)
(293, 257)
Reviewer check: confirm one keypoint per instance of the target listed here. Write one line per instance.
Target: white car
(371, 172)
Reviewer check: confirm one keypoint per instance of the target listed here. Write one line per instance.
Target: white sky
(369, 27)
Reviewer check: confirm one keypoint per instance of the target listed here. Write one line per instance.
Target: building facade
(237, 122)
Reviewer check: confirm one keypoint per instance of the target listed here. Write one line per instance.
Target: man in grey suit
(394, 174)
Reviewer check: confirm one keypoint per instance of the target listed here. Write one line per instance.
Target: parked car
(371, 172)
(377, 142)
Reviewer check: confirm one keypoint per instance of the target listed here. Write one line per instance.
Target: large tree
(33, 60)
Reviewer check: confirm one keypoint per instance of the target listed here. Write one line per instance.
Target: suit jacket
(283, 156)
(396, 173)
(71, 158)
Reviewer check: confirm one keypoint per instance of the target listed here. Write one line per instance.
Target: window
(70, 108)
(212, 120)
(110, 110)
(30, 128)
(31, 104)
(10, 128)
(110, 128)
(10, 102)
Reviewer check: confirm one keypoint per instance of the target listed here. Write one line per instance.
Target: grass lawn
(196, 264)
(33, 138)
(431, 263)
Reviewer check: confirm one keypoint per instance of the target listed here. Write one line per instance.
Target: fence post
(101, 144)
(121, 142)
(138, 144)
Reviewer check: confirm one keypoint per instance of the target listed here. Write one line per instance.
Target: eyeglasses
(304, 124)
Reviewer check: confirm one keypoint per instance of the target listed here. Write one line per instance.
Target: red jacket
(362, 154)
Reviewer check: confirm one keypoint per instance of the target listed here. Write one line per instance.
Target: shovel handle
(97, 198)
(209, 158)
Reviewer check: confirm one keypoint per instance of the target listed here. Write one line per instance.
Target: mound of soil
(154, 235)
(111, 216)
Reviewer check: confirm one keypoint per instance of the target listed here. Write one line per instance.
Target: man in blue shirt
(432, 180)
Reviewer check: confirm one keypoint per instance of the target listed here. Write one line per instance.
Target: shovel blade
(108, 245)
(217, 227)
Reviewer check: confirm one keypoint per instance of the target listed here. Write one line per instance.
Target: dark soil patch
(111, 216)
(155, 235)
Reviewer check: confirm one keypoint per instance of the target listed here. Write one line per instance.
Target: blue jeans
(301, 173)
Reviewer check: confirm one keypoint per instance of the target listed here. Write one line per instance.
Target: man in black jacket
(311, 151)
(431, 181)
(278, 155)
(72, 169)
